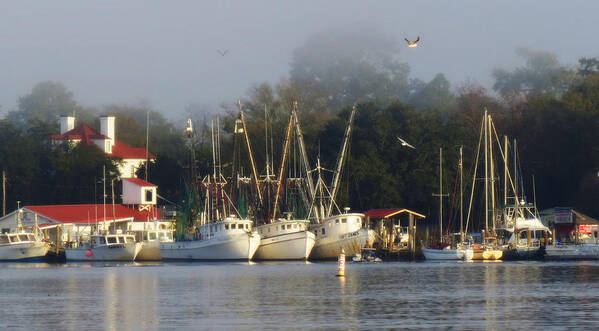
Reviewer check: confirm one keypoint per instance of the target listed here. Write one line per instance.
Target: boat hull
(351, 243)
(487, 254)
(288, 246)
(240, 246)
(122, 252)
(572, 252)
(23, 251)
(447, 254)
(149, 251)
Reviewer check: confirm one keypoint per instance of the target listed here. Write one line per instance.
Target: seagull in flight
(405, 143)
(222, 53)
(412, 43)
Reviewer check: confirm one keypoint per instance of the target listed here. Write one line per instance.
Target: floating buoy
(89, 253)
(341, 264)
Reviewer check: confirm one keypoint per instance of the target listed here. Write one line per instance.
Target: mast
(341, 161)
(486, 123)
(147, 143)
(283, 163)
(505, 170)
(492, 170)
(440, 195)
(461, 166)
(3, 192)
(247, 140)
(104, 195)
(304, 156)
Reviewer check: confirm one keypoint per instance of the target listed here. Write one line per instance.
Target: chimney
(67, 123)
(107, 127)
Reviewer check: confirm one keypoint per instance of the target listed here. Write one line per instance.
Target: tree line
(552, 110)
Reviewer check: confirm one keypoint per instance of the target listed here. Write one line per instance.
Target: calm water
(297, 295)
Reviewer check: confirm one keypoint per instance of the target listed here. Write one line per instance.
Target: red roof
(388, 212)
(86, 134)
(94, 213)
(83, 132)
(124, 151)
(139, 182)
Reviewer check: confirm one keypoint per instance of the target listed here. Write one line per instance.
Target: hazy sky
(165, 52)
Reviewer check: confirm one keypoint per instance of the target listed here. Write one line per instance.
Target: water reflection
(300, 295)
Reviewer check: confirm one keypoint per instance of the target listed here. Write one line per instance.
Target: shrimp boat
(228, 239)
(285, 239)
(105, 247)
(150, 245)
(343, 232)
(21, 246)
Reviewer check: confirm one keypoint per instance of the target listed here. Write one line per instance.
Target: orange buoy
(341, 264)
(89, 253)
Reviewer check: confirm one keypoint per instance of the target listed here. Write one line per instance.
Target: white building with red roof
(132, 157)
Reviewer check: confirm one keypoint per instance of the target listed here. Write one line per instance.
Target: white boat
(105, 247)
(339, 232)
(572, 252)
(150, 245)
(285, 239)
(21, 246)
(228, 239)
(447, 253)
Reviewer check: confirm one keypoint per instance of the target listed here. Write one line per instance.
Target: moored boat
(105, 247)
(343, 231)
(21, 246)
(150, 245)
(285, 239)
(228, 239)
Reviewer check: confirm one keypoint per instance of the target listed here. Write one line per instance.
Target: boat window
(247, 227)
(523, 235)
(162, 235)
(295, 226)
(102, 241)
(3, 239)
(227, 226)
(31, 237)
(152, 235)
(283, 227)
(344, 220)
(322, 230)
(111, 240)
(337, 221)
(595, 234)
(23, 237)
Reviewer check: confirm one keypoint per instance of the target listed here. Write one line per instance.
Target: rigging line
(475, 173)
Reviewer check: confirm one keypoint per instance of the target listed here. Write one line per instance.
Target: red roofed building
(133, 157)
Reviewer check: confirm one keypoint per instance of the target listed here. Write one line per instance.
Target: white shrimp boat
(341, 232)
(228, 239)
(21, 246)
(285, 240)
(150, 245)
(105, 247)
(572, 252)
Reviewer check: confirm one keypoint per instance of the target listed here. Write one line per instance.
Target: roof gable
(92, 213)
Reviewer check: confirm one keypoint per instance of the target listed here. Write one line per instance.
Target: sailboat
(526, 233)
(219, 234)
(445, 251)
(489, 249)
(284, 238)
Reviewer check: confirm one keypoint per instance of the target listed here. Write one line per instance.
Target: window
(152, 235)
(344, 220)
(31, 237)
(23, 237)
(3, 239)
(111, 240)
(247, 227)
(283, 227)
(102, 241)
(122, 240)
(234, 226)
(322, 230)
(295, 226)
(227, 226)
(149, 195)
(337, 221)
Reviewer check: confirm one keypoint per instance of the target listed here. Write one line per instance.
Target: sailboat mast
(486, 123)
(304, 156)
(441, 194)
(492, 170)
(461, 166)
(505, 165)
(340, 161)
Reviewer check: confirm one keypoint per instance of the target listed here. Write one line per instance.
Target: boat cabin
(16, 238)
(282, 226)
(226, 226)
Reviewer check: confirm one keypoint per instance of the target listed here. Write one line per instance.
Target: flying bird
(222, 53)
(405, 143)
(412, 43)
